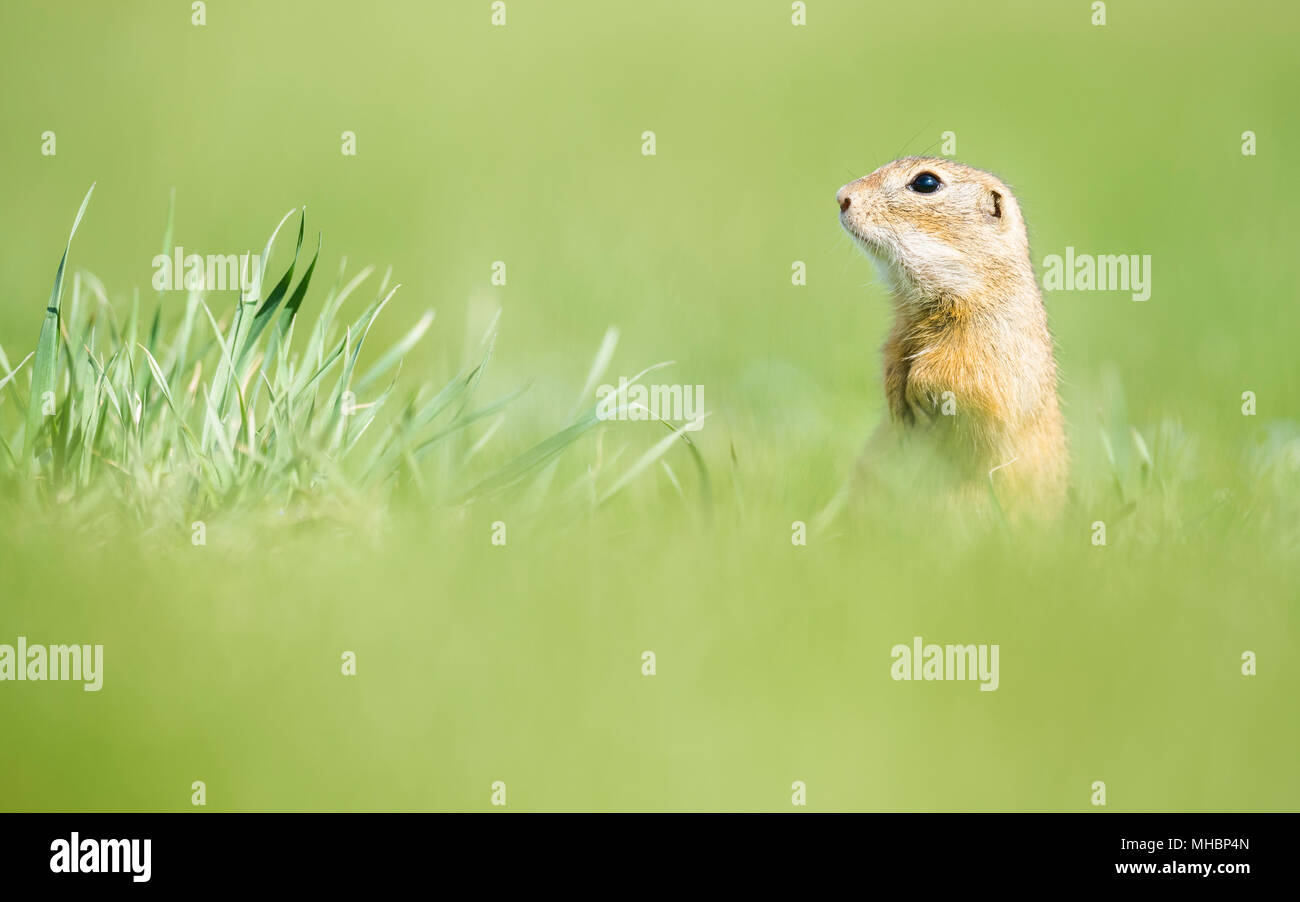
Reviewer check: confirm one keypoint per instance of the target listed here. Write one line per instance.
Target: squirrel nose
(843, 199)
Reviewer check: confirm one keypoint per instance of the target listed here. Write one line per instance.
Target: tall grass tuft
(259, 406)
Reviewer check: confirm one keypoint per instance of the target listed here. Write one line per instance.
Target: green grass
(261, 412)
(522, 662)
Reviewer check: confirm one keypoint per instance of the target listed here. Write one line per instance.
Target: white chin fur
(887, 269)
(937, 266)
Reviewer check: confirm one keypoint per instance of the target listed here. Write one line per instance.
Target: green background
(522, 664)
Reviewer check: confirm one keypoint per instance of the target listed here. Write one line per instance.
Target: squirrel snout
(843, 199)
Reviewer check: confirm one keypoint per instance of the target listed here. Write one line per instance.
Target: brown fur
(969, 320)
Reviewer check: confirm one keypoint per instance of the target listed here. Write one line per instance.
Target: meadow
(392, 449)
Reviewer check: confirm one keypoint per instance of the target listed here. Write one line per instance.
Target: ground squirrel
(969, 370)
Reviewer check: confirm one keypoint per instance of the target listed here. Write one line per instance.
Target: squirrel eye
(926, 183)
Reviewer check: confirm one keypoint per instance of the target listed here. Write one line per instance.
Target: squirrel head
(938, 229)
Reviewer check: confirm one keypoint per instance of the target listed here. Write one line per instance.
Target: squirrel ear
(995, 205)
